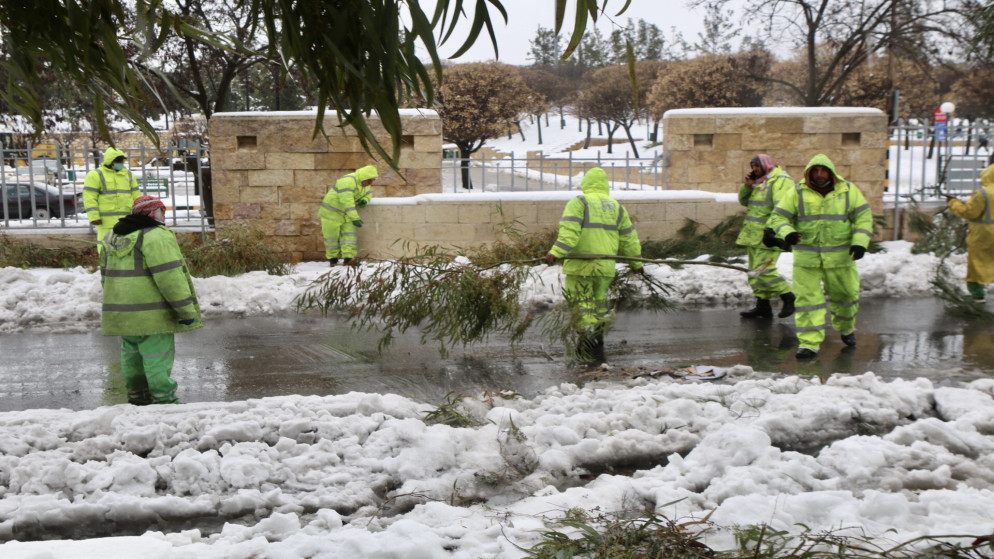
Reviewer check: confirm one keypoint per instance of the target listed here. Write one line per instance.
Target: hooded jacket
(828, 224)
(147, 287)
(595, 223)
(980, 238)
(109, 194)
(759, 202)
(341, 200)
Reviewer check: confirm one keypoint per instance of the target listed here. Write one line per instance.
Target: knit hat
(150, 206)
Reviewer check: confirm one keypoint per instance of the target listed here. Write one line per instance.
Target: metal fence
(538, 174)
(41, 186)
(926, 161)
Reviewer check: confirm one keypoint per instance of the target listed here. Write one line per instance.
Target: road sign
(940, 124)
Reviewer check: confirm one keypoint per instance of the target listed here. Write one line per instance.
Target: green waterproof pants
(339, 238)
(770, 283)
(977, 290)
(147, 362)
(842, 287)
(588, 296)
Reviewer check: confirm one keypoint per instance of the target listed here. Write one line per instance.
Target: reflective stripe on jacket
(828, 224)
(595, 223)
(341, 200)
(759, 203)
(108, 194)
(147, 287)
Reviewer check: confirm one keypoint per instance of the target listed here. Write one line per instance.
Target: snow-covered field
(363, 475)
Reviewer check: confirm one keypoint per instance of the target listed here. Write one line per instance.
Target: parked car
(42, 169)
(47, 202)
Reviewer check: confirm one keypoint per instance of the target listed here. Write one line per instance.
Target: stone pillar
(710, 149)
(270, 172)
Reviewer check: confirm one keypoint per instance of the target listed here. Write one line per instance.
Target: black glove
(857, 252)
(792, 238)
(770, 239)
(187, 321)
(357, 222)
(361, 203)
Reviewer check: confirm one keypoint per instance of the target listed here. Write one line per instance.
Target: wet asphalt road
(242, 358)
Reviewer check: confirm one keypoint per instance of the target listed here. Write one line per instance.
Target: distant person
(827, 221)
(593, 223)
(980, 237)
(148, 297)
(339, 218)
(108, 193)
(760, 191)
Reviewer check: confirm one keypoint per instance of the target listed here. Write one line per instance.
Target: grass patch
(25, 254)
(239, 252)
(579, 535)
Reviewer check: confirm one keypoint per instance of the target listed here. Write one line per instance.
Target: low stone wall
(398, 226)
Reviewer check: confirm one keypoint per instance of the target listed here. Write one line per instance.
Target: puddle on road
(243, 358)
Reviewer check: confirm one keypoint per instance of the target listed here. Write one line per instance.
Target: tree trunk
(586, 142)
(464, 155)
(539, 128)
(628, 132)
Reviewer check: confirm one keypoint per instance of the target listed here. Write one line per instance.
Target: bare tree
(834, 38)
(608, 98)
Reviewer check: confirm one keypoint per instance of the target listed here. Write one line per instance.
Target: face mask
(118, 166)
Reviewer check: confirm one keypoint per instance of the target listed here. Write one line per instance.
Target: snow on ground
(363, 475)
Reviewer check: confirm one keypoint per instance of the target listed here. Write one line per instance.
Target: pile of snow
(69, 300)
(364, 475)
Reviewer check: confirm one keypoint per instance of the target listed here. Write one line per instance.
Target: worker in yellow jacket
(828, 222)
(980, 237)
(339, 218)
(593, 224)
(109, 191)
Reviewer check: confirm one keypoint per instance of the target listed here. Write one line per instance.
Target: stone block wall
(710, 149)
(270, 172)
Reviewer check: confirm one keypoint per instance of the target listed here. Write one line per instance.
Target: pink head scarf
(767, 164)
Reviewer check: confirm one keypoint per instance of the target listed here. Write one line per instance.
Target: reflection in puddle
(244, 358)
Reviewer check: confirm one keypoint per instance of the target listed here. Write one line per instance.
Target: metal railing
(42, 187)
(538, 174)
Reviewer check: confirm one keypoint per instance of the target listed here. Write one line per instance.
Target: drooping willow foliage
(360, 56)
(452, 301)
(945, 235)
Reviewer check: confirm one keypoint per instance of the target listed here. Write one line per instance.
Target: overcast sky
(525, 16)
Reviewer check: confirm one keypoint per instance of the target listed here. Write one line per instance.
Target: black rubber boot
(333, 262)
(849, 339)
(788, 305)
(346, 262)
(761, 310)
(806, 353)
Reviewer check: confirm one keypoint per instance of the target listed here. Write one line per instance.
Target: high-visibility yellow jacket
(348, 191)
(828, 224)
(108, 194)
(980, 237)
(595, 223)
(759, 202)
(147, 288)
